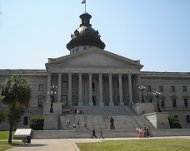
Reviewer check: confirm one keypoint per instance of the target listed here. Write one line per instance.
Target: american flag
(83, 1)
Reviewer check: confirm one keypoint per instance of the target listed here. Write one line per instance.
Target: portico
(92, 88)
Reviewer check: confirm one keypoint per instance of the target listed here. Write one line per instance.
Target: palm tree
(17, 92)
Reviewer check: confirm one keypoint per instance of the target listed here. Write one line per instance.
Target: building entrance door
(94, 100)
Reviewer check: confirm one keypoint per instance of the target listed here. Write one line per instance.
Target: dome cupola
(85, 36)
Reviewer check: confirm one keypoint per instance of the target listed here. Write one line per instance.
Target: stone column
(139, 84)
(120, 90)
(110, 91)
(130, 89)
(101, 103)
(48, 86)
(80, 90)
(70, 88)
(90, 89)
(59, 86)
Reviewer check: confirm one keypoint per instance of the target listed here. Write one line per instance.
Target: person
(101, 134)
(85, 124)
(148, 132)
(94, 133)
(68, 123)
(78, 124)
(112, 127)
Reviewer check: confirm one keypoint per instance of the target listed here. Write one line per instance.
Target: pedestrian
(85, 124)
(101, 134)
(78, 124)
(68, 123)
(94, 133)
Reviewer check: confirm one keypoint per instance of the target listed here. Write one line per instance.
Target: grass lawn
(4, 135)
(138, 145)
(4, 144)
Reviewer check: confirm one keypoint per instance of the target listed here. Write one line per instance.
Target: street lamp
(157, 95)
(141, 88)
(52, 94)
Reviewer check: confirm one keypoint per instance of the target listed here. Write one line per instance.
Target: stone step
(53, 134)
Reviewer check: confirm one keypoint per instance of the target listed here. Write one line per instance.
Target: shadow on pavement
(31, 145)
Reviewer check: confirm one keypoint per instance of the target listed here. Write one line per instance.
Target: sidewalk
(52, 145)
(69, 144)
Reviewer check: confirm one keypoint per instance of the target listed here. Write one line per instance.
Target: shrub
(2, 117)
(37, 122)
(174, 122)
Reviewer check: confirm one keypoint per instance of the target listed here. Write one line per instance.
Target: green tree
(2, 117)
(17, 92)
(174, 122)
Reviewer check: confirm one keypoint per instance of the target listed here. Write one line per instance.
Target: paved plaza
(68, 144)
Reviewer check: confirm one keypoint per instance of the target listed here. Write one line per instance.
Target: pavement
(69, 144)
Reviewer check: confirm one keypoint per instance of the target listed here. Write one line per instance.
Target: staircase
(72, 125)
(98, 117)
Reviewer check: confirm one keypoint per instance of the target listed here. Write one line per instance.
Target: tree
(17, 92)
(2, 117)
(174, 122)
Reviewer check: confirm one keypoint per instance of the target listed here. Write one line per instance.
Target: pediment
(94, 58)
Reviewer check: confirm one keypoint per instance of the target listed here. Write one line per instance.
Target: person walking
(85, 124)
(94, 133)
(101, 134)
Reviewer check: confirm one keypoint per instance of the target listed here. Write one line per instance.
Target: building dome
(85, 36)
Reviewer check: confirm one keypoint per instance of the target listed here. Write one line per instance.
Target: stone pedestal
(51, 121)
(158, 119)
(143, 108)
(57, 108)
(46, 107)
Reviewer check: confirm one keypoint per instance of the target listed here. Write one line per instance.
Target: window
(77, 49)
(174, 102)
(150, 100)
(161, 88)
(65, 84)
(40, 101)
(172, 88)
(186, 102)
(25, 120)
(187, 118)
(184, 89)
(93, 86)
(94, 100)
(149, 88)
(64, 98)
(41, 87)
(162, 103)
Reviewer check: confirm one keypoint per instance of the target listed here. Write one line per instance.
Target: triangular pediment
(94, 58)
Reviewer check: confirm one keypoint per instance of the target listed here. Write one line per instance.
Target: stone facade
(112, 81)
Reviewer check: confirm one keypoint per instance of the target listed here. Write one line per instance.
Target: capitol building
(100, 83)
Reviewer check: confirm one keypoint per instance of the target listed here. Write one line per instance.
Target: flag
(83, 1)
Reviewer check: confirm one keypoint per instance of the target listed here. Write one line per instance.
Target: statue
(112, 127)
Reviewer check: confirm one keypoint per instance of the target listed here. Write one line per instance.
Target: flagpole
(85, 6)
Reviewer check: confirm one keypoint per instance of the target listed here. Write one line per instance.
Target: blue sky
(157, 32)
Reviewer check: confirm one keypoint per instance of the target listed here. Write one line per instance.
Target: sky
(156, 32)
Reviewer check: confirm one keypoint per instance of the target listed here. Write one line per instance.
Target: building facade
(92, 76)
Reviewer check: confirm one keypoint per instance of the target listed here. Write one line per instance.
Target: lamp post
(52, 94)
(157, 95)
(141, 88)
